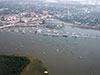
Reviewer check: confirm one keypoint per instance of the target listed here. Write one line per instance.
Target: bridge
(6, 26)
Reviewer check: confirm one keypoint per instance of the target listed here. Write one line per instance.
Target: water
(83, 31)
(62, 56)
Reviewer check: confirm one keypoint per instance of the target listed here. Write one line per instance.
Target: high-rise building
(44, 22)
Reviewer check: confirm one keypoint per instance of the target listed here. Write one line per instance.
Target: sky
(91, 2)
(81, 0)
(65, 0)
(75, 0)
(57, 0)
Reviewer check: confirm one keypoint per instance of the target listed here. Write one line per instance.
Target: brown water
(63, 56)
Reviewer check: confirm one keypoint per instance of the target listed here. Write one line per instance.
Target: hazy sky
(64, 0)
(56, 0)
(74, 0)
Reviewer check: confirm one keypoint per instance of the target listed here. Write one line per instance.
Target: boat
(64, 35)
(55, 35)
(23, 32)
(75, 36)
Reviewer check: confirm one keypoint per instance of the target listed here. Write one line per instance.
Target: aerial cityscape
(49, 19)
(64, 34)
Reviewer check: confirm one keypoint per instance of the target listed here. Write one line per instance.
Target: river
(62, 56)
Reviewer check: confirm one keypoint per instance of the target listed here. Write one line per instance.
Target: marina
(68, 31)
